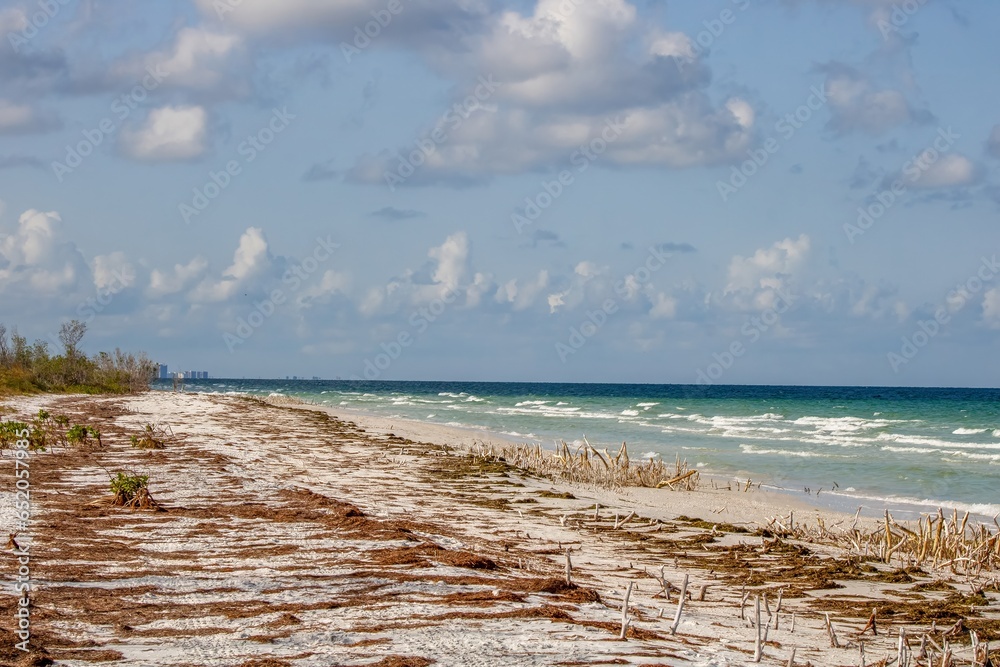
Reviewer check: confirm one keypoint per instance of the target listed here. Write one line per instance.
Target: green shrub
(132, 491)
(81, 435)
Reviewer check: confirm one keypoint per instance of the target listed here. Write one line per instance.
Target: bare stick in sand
(597, 511)
(569, 569)
(758, 649)
(833, 635)
(791, 659)
(625, 617)
(680, 606)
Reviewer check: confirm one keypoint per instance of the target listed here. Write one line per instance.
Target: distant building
(163, 373)
(315, 377)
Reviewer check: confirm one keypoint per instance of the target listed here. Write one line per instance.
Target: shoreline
(298, 538)
(844, 505)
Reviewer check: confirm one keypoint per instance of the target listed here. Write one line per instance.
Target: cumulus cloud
(113, 271)
(199, 59)
(448, 275)
(170, 133)
(950, 170)
(250, 260)
(562, 81)
(857, 104)
(33, 258)
(756, 281)
(17, 118)
(179, 278)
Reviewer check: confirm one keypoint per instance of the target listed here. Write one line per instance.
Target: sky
(724, 191)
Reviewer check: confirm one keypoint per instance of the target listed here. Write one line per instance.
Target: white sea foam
(909, 450)
(933, 442)
(630, 413)
(750, 449)
(982, 509)
(968, 431)
(645, 405)
(523, 403)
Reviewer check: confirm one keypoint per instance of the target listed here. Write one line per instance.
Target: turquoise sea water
(902, 447)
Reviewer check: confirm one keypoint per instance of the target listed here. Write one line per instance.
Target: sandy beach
(290, 535)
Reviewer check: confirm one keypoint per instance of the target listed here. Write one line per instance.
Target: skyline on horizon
(770, 192)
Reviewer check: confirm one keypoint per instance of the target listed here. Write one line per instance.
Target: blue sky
(734, 191)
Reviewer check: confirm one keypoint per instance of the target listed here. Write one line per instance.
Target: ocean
(911, 449)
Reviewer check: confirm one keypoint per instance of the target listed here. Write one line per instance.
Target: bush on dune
(31, 368)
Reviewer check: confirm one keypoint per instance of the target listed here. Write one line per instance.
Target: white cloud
(768, 268)
(177, 279)
(664, 307)
(523, 296)
(858, 105)
(949, 170)
(199, 58)
(113, 272)
(169, 133)
(249, 261)
(17, 118)
(570, 77)
(33, 258)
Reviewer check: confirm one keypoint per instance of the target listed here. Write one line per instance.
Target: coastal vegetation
(31, 368)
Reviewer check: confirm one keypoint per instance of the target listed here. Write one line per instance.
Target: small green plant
(132, 491)
(9, 431)
(152, 436)
(81, 435)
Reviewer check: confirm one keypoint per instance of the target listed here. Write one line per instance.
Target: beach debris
(626, 619)
(152, 436)
(834, 643)
(871, 625)
(569, 569)
(680, 606)
(758, 650)
(587, 465)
